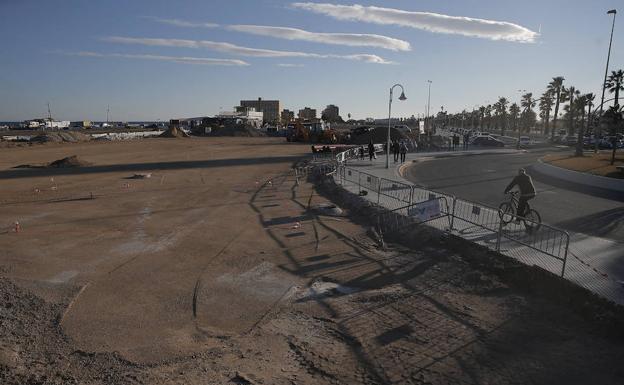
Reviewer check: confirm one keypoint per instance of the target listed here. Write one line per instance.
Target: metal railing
(528, 242)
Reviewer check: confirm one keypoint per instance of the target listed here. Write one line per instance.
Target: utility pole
(49, 113)
(107, 111)
(429, 104)
(611, 12)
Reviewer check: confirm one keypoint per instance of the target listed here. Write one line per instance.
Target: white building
(246, 115)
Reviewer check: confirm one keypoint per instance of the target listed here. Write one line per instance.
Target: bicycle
(507, 212)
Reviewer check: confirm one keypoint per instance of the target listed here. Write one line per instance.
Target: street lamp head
(402, 97)
(613, 11)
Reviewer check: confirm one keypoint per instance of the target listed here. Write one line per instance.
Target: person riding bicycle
(527, 191)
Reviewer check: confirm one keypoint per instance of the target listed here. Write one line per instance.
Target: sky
(162, 59)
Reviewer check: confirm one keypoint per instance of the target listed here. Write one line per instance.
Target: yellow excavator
(311, 132)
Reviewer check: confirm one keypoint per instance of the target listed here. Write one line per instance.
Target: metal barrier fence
(529, 242)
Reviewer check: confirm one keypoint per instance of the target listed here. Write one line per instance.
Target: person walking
(371, 150)
(395, 150)
(403, 150)
(361, 150)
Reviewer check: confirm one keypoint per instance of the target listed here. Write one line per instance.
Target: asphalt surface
(483, 178)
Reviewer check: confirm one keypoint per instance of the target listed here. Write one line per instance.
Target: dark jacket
(525, 184)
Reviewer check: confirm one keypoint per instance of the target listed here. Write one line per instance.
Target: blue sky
(83, 55)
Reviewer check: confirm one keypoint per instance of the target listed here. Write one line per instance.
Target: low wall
(602, 182)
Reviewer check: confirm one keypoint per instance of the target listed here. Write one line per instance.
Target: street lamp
(428, 102)
(611, 12)
(402, 97)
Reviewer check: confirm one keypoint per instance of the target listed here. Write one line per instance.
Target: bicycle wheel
(506, 212)
(532, 220)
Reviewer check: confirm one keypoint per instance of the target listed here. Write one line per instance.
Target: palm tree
(501, 111)
(488, 115)
(555, 86)
(545, 106)
(581, 103)
(481, 117)
(514, 112)
(527, 103)
(615, 84)
(568, 94)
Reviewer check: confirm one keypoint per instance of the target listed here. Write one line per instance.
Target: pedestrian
(455, 141)
(403, 150)
(394, 145)
(466, 138)
(371, 150)
(361, 149)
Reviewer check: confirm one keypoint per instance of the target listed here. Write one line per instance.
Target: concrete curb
(582, 178)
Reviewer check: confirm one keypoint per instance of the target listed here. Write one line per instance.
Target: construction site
(208, 260)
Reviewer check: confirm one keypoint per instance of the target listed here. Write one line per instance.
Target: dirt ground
(598, 164)
(213, 270)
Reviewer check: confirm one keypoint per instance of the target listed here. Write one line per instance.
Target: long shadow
(581, 188)
(605, 224)
(133, 167)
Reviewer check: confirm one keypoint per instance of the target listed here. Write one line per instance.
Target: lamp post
(611, 12)
(429, 104)
(402, 97)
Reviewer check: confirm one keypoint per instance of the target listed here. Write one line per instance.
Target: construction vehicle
(312, 132)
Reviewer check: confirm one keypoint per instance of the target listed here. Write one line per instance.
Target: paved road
(482, 178)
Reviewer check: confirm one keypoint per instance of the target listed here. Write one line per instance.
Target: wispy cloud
(348, 39)
(289, 65)
(182, 23)
(433, 22)
(175, 59)
(239, 50)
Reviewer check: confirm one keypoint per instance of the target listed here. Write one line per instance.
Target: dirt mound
(60, 137)
(174, 132)
(379, 135)
(33, 349)
(70, 161)
(238, 130)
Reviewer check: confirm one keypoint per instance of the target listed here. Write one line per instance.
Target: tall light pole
(402, 97)
(613, 12)
(428, 104)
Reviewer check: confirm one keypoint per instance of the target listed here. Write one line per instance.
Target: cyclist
(527, 191)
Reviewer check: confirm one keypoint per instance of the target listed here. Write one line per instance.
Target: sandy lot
(206, 273)
(598, 164)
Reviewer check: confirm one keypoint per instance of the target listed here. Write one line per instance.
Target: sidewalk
(594, 263)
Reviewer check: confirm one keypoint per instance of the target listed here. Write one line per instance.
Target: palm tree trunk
(546, 124)
(579, 142)
(554, 127)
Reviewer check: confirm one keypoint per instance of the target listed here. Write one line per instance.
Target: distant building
(287, 116)
(244, 115)
(46, 123)
(331, 113)
(307, 113)
(81, 124)
(271, 109)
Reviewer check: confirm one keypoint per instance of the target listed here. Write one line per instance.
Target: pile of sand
(379, 135)
(70, 161)
(174, 132)
(61, 136)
